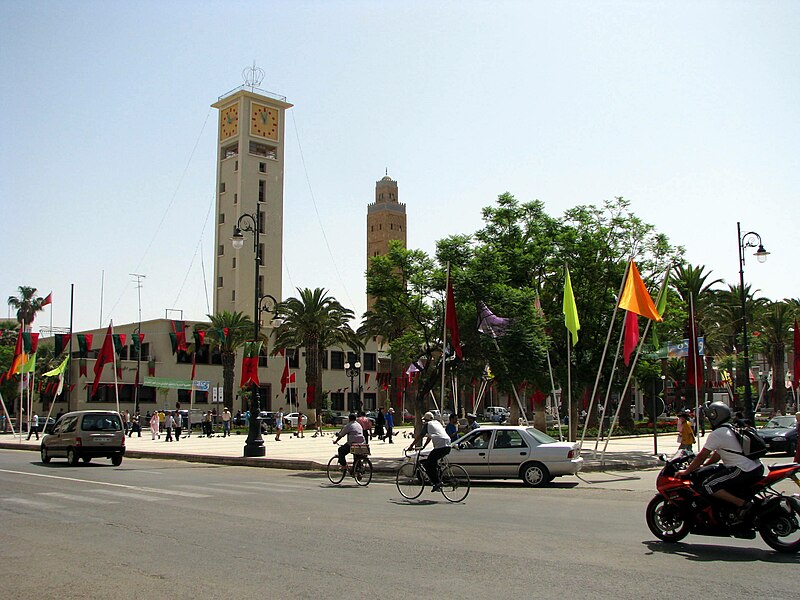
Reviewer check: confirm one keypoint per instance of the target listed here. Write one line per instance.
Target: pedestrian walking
(300, 428)
(178, 425)
(380, 423)
(226, 422)
(278, 424)
(33, 426)
(389, 424)
(162, 415)
(136, 425)
(169, 423)
(154, 426)
(366, 425)
(126, 420)
(685, 433)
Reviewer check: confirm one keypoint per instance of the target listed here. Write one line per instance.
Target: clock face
(264, 121)
(229, 122)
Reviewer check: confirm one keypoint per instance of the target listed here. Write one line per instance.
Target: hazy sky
(107, 160)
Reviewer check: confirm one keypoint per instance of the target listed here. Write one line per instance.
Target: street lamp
(254, 444)
(353, 371)
(749, 240)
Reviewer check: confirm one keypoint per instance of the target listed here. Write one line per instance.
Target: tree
(227, 332)
(774, 322)
(314, 321)
(27, 304)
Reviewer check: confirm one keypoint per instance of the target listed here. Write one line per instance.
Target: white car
(291, 419)
(510, 452)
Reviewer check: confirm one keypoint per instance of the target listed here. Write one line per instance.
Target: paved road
(154, 529)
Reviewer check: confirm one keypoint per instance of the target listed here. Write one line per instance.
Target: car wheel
(72, 457)
(535, 474)
(116, 460)
(87, 459)
(45, 456)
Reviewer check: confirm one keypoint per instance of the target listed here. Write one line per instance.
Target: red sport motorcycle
(681, 507)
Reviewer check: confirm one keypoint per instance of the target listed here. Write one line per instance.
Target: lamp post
(353, 371)
(254, 444)
(749, 240)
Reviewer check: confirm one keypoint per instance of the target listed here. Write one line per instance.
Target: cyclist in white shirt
(435, 432)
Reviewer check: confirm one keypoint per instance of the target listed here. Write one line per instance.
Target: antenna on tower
(253, 76)
(139, 278)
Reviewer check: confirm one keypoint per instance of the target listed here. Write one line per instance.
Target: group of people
(172, 423)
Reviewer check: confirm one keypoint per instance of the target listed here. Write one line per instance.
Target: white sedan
(505, 452)
(291, 419)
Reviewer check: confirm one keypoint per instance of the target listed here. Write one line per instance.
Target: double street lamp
(749, 240)
(353, 371)
(254, 445)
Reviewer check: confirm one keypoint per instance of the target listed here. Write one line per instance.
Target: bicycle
(360, 469)
(411, 479)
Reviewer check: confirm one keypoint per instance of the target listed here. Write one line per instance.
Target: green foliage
(27, 304)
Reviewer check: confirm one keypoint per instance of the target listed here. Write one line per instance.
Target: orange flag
(636, 298)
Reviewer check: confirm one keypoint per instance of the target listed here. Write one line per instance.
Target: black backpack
(753, 445)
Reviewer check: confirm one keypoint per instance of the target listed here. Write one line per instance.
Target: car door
(509, 450)
(472, 452)
(62, 434)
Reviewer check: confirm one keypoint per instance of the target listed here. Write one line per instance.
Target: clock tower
(386, 221)
(250, 162)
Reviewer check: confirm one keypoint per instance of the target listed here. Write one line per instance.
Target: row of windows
(255, 148)
(391, 227)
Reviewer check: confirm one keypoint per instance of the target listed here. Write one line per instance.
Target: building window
(337, 401)
(221, 218)
(262, 167)
(324, 359)
(262, 217)
(262, 357)
(294, 358)
(258, 149)
(219, 281)
(262, 190)
(233, 263)
(261, 253)
(370, 361)
(221, 187)
(235, 166)
(233, 295)
(230, 150)
(216, 357)
(236, 198)
(337, 359)
(370, 401)
(221, 250)
(260, 286)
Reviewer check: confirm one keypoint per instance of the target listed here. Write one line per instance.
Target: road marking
(29, 502)
(204, 488)
(76, 498)
(146, 490)
(132, 495)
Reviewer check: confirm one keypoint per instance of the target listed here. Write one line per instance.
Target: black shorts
(731, 479)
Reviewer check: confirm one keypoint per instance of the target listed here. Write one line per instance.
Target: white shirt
(722, 440)
(436, 432)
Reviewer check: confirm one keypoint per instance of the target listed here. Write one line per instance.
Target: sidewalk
(310, 453)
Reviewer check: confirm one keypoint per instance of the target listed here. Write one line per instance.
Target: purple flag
(491, 324)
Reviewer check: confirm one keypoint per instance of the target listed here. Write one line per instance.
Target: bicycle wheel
(409, 481)
(335, 474)
(362, 471)
(455, 483)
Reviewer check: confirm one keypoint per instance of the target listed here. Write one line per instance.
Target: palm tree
(227, 332)
(775, 321)
(314, 321)
(27, 304)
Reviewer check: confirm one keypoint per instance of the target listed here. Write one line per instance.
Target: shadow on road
(712, 552)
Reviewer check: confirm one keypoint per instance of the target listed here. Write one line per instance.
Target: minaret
(386, 220)
(250, 162)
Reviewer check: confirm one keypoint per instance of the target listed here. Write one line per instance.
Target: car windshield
(539, 436)
(780, 423)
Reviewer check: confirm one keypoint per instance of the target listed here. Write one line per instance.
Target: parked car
(780, 434)
(496, 414)
(291, 419)
(84, 435)
(510, 452)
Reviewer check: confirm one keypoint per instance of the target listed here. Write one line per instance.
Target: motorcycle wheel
(782, 532)
(666, 521)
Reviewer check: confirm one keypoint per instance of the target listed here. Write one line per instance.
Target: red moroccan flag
(285, 376)
(694, 362)
(311, 391)
(48, 300)
(194, 364)
(631, 335)
(451, 321)
(250, 363)
(106, 355)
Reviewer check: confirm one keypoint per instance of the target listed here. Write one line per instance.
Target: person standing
(226, 422)
(452, 427)
(278, 424)
(126, 420)
(472, 421)
(366, 425)
(380, 423)
(389, 424)
(208, 427)
(33, 427)
(136, 425)
(178, 425)
(169, 423)
(154, 426)
(685, 432)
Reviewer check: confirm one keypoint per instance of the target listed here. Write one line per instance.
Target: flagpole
(69, 372)
(608, 389)
(553, 395)
(695, 358)
(444, 330)
(114, 359)
(569, 389)
(8, 416)
(603, 359)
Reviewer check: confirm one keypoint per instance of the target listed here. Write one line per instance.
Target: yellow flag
(570, 310)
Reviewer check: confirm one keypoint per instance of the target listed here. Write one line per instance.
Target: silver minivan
(84, 435)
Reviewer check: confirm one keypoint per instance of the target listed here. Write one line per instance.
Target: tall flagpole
(69, 371)
(114, 362)
(569, 389)
(444, 330)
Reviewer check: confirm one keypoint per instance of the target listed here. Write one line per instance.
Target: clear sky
(690, 110)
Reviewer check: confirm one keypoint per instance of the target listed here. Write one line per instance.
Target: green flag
(30, 365)
(59, 369)
(570, 310)
(661, 305)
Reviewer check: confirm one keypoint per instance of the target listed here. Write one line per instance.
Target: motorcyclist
(736, 472)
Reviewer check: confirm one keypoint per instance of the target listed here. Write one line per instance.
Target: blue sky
(690, 110)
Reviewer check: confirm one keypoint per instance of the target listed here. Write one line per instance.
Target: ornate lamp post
(749, 240)
(353, 371)
(254, 445)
